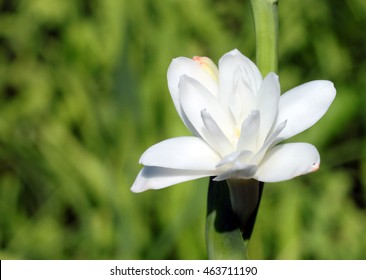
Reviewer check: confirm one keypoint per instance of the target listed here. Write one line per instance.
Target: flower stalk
(266, 30)
(224, 240)
(232, 205)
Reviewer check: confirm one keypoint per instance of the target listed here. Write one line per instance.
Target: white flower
(237, 119)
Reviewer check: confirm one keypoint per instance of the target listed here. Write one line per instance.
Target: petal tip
(137, 189)
(235, 52)
(315, 167)
(329, 87)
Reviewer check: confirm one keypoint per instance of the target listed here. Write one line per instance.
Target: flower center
(237, 131)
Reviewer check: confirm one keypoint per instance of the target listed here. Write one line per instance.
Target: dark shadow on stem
(226, 219)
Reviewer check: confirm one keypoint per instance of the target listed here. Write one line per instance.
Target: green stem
(223, 236)
(266, 30)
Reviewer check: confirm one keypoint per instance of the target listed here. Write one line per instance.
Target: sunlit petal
(268, 97)
(231, 158)
(286, 161)
(194, 98)
(242, 100)
(229, 65)
(239, 170)
(271, 140)
(185, 66)
(249, 132)
(188, 153)
(151, 177)
(215, 135)
(304, 105)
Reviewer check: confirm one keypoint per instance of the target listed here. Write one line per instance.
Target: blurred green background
(84, 93)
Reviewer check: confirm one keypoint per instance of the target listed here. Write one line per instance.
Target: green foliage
(83, 93)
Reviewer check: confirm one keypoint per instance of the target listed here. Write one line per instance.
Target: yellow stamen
(237, 132)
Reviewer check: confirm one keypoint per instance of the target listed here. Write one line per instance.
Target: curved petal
(194, 98)
(267, 103)
(151, 177)
(287, 161)
(188, 153)
(236, 165)
(304, 105)
(242, 98)
(229, 160)
(228, 72)
(217, 137)
(185, 66)
(271, 140)
(238, 171)
(249, 132)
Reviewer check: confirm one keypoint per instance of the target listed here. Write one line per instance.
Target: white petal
(194, 98)
(287, 161)
(249, 132)
(236, 165)
(185, 66)
(242, 99)
(304, 105)
(238, 171)
(188, 153)
(151, 177)
(214, 133)
(271, 140)
(267, 102)
(230, 159)
(228, 66)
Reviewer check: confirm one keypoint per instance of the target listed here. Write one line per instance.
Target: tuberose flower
(237, 119)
